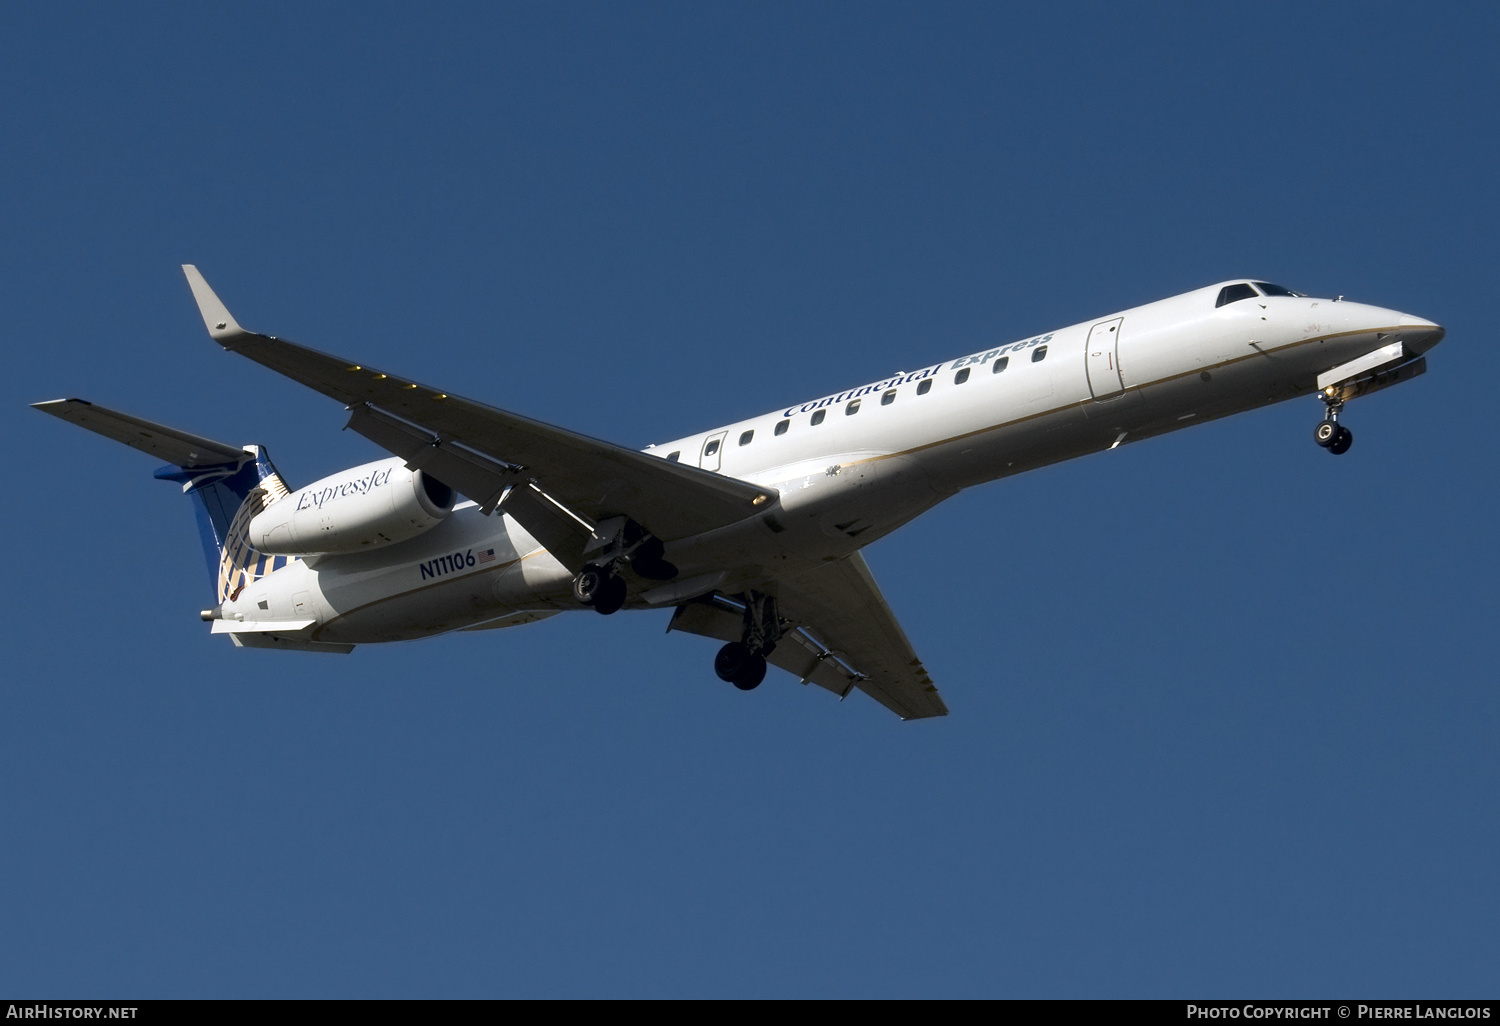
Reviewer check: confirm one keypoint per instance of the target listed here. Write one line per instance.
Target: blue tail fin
(225, 498)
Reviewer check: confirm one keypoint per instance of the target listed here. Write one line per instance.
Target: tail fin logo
(227, 497)
(239, 564)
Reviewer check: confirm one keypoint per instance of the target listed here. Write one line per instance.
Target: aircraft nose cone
(1420, 335)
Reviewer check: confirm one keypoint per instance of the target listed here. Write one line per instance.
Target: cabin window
(745, 438)
(999, 365)
(673, 457)
(817, 417)
(888, 398)
(1234, 293)
(961, 376)
(782, 425)
(924, 387)
(711, 448)
(1038, 354)
(852, 408)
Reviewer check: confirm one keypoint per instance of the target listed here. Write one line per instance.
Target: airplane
(750, 533)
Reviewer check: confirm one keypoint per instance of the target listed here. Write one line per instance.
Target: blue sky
(1224, 707)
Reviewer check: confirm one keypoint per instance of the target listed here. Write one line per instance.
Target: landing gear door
(1104, 359)
(713, 451)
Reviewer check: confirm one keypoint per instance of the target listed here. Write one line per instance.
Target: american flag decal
(486, 555)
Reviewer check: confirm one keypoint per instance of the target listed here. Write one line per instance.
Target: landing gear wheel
(1326, 432)
(738, 665)
(1342, 439)
(597, 587)
(611, 597)
(588, 584)
(753, 673)
(731, 660)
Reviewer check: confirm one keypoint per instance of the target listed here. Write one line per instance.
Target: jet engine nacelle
(360, 509)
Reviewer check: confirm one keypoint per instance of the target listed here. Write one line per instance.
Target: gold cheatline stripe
(426, 587)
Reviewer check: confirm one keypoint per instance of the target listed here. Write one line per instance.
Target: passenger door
(1103, 356)
(713, 451)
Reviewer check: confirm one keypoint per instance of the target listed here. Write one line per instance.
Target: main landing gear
(739, 665)
(743, 663)
(1329, 433)
(618, 542)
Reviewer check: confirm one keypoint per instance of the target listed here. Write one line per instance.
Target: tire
(1341, 442)
(1326, 433)
(752, 673)
(611, 595)
(731, 660)
(588, 584)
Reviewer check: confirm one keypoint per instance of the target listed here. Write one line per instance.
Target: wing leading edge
(484, 452)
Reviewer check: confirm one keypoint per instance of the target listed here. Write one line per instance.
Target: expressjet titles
(903, 379)
(356, 487)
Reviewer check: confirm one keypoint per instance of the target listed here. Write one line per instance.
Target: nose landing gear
(1329, 433)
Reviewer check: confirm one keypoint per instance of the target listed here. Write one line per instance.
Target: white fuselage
(851, 467)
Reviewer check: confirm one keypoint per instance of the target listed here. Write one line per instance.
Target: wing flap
(480, 478)
(797, 653)
(486, 481)
(843, 606)
(842, 635)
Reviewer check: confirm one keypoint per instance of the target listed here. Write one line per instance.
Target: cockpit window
(1277, 290)
(1234, 293)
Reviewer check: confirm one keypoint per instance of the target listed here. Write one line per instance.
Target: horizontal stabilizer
(216, 316)
(288, 644)
(260, 626)
(167, 444)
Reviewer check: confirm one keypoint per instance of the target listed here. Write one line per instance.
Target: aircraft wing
(844, 636)
(550, 477)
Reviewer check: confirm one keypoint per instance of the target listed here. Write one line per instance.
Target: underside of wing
(838, 633)
(546, 474)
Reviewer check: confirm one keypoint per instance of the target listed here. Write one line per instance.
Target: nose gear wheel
(1329, 433)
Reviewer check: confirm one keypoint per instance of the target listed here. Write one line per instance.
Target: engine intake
(364, 508)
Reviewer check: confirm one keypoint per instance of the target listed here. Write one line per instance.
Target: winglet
(216, 316)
